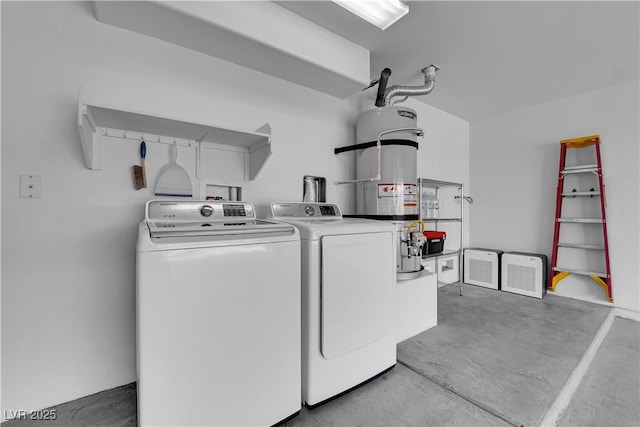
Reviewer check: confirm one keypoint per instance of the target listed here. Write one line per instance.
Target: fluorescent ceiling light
(381, 13)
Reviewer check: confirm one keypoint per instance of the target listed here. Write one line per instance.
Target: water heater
(386, 151)
(388, 137)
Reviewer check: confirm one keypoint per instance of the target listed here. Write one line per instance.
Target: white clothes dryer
(218, 316)
(348, 291)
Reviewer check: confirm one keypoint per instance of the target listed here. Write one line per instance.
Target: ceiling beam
(259, 35)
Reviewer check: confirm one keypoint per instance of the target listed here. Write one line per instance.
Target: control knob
(206, 210)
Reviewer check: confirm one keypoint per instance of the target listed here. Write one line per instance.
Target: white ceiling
(497, 56)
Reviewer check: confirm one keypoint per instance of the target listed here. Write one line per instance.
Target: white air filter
(524, 274)
(482, 267)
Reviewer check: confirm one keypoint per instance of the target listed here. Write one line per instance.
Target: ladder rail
(556, 227)
(605, 234)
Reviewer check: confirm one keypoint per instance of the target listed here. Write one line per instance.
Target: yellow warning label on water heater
(397, 199)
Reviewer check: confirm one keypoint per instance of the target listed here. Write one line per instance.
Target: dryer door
(358, 276)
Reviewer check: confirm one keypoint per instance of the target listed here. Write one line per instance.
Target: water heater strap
(364, 145)
(412, 217)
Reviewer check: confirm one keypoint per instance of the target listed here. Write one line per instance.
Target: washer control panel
(305, 210)
(177, 210)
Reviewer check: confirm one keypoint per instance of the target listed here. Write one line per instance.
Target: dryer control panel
(305, 210)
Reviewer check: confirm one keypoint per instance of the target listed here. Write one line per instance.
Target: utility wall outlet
(31, 186)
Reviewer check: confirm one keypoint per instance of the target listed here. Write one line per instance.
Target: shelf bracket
(91, 140)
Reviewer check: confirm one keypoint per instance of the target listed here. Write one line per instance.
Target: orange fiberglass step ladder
(558, 273)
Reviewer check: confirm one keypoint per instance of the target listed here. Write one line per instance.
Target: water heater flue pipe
(382, 87)
(398, 90)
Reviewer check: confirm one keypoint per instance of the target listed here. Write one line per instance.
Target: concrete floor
(112, 408)
(507, 353)
(494, 359)
(609, 391)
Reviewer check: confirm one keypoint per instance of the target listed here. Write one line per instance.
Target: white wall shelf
(249, 150)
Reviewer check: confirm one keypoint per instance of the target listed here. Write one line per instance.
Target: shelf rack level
(558, 273)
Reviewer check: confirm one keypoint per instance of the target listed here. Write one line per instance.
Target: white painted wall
(68, 309)
(514, 166)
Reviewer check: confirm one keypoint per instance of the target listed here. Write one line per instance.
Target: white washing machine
(218, 316)
(348, 291)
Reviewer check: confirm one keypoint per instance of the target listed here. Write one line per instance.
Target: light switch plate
(31, 186)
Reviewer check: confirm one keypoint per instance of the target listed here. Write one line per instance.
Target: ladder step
(580, 169)
(580, 272)
(582, 220)
(581, 193)
(581, 246)
(581, 142)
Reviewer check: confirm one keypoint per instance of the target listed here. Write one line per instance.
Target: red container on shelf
(435, 242)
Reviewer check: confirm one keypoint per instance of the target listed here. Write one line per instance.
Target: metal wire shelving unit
(438, 186)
